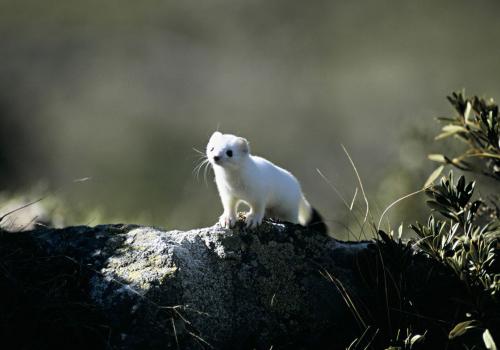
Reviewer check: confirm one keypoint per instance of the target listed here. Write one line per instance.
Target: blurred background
(121, 91)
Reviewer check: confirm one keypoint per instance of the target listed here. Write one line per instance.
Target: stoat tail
(310, 218)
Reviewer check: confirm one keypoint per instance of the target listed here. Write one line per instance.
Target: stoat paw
(227, 221)
(252, 220)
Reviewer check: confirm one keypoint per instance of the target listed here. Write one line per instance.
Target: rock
(280, 286)
(211, 287)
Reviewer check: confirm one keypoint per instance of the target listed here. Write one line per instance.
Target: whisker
(200, 161)
(205, 172)
(198, 167)
(198, 151)
(203, 164)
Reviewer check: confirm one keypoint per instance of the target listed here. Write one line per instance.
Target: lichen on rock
(209, 287)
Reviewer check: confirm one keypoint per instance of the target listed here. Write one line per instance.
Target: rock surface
(212, 287)
(280, 286)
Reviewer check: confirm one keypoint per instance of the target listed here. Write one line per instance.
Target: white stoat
(265, 187)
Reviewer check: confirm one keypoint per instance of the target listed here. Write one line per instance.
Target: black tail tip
(316, 223)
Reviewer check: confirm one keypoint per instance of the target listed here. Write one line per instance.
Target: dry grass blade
(21, 207)
(333, 188)
(389, 323)
(175, 333)
(396, 202)
(353, 198)
(360, 183)
(201, 339)
(372, 339)
(83, 179)
(345, 296)
(354, 345)
(344, 201)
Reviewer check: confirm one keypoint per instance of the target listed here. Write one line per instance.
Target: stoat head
(227, 151)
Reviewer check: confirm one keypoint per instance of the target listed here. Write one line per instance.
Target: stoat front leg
(256, 214)
(228, 217)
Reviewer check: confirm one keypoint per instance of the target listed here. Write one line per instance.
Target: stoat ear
(243, 145)
(215, 134)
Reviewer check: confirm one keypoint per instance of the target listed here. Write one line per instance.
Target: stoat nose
(216, 158)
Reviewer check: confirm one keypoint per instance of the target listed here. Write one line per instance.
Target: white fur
(265, 187)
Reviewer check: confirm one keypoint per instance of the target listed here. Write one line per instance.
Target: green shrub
(441, 288)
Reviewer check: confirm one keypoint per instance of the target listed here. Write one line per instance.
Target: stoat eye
(229, 153)
(211, 149)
